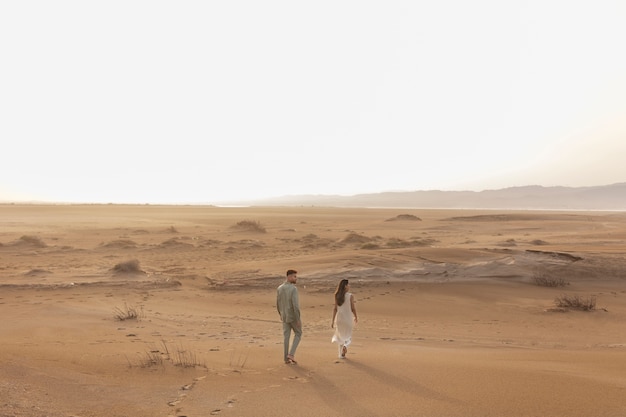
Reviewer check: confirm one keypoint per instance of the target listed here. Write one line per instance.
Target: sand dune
(169, 311)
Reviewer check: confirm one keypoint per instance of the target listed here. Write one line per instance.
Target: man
(288, 308)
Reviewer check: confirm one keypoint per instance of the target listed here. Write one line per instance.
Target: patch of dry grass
(159, 356)
(128, 267)
(544, 280)
(250, 226)
(128, 313)
(575, 302)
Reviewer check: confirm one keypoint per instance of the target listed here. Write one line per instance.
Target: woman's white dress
(344, 323)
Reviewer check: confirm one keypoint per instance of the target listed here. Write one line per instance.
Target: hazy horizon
(208, 102)
(345, 199)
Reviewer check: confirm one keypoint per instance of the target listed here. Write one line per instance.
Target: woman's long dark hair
(340, 294)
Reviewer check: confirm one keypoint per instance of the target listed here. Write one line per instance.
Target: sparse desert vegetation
(127, 313)
(159, 356)
(575, 302)
(192, 330)
(250, 226)
(544, 280)
(128, 267)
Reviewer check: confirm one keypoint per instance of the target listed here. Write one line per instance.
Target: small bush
(131, 266)
(575, 302)
(250, 226)
(545, 281)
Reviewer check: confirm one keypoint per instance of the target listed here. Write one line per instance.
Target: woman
(343, 322)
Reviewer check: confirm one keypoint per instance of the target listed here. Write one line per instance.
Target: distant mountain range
(533, 197)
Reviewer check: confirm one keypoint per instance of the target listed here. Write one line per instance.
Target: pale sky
(213, 101)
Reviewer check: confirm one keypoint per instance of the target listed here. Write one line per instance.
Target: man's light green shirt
(287, 302)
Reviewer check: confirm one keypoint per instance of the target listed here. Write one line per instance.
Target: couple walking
(288, 306)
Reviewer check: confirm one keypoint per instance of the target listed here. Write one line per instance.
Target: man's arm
(296, 305)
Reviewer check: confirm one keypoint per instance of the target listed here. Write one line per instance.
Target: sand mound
(119, 244)
(404, 217)
(29, 241)
(175, 242)
(353, 238)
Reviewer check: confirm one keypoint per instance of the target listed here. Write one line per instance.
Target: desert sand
(115, 310)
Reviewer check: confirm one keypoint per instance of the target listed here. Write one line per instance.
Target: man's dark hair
(291, 272)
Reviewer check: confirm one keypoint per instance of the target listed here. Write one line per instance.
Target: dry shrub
(575, 302)
(128, 267)
(250, 226)
(545, 281)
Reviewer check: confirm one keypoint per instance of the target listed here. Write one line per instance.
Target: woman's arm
(353, 308)
(332, 323)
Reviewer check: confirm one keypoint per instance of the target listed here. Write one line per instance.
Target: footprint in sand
(183, 395)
